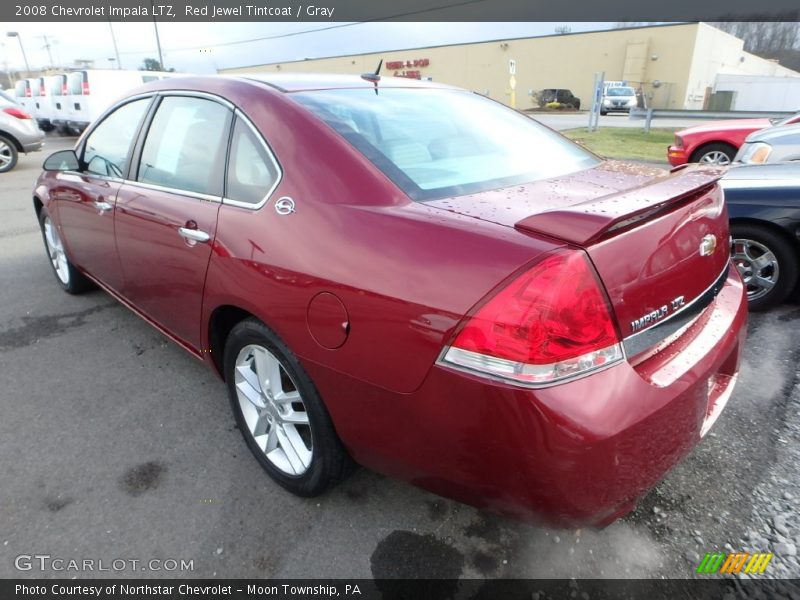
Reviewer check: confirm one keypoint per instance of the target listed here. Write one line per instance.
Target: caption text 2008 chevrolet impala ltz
(414, 278)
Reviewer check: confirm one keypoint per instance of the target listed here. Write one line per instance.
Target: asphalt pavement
(116, 444)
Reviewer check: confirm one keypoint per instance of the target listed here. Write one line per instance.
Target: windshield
(442, 143)
(620, 91)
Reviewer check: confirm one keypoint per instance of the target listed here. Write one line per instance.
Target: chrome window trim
(229, 201)
(169, 190)
(642, 341)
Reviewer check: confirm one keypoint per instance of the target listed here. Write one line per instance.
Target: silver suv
(18, 132)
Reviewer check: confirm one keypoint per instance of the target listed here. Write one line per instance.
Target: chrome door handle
(194, 234)
(102, 206)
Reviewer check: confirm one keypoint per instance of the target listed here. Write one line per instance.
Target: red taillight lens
(85, 88)
(28, 93)
(42, 91)
(550, 323)
(18, 113)
(64, 89)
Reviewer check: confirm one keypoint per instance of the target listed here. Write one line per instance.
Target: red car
(718, 141)
(381, 274)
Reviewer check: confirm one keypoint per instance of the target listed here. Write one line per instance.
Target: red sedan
(382, 275)
(718, 141)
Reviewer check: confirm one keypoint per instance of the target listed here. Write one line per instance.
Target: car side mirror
(63, 160)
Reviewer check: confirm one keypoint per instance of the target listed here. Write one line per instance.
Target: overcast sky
(182, 42)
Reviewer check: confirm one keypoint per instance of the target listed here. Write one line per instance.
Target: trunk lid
(658, 240)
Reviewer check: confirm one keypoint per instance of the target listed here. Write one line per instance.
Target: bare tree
(768, 39)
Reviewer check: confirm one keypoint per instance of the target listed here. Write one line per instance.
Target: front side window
(185, 146)
(441, 143)
(106, 149)
(251, 171)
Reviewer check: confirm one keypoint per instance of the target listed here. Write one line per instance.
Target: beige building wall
(668, 62)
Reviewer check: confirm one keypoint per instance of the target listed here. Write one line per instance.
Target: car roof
(296, 82)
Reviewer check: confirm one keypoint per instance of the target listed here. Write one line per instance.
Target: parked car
(618, 99)
(764, 209)
(18, 133)
(775, 144)
(417, 295)
(565, 97)
(718, 141)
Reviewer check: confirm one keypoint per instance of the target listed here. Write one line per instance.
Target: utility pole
(47, 47)
(158, 41)
(114, 40)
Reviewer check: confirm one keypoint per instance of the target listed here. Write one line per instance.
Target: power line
(305, 31)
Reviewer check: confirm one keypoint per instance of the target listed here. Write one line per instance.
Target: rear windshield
(36, 87)
(21, 88)
(620, 91)
(75, 82)
(442, 143)
(55, 84)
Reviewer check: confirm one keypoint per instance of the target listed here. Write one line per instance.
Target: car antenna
(374, 77)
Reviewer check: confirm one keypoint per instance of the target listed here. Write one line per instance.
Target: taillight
(28, 92)
(64, 89)
(18, 113)
(85, 88)
(552, 323)
(42, 91)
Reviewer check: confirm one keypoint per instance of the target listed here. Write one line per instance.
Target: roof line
(492, 41)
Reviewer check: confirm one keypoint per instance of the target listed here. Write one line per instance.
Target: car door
(85, 200)
(167, 212)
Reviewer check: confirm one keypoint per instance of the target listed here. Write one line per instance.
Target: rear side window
(252, 173)
(107, 146)
(441, 143)
(185, 146)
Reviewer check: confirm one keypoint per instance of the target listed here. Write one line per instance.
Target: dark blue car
(764, 208)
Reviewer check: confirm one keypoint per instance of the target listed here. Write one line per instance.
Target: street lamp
(19, 39)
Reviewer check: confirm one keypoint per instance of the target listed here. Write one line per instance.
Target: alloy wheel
(715, 157)
(757, 266)
(273, 410)
(55, 250)
(6, 155)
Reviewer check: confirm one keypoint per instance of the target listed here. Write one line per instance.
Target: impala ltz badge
(708, 245)
(656, 315)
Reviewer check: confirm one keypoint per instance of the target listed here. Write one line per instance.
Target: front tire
(767, 263)
(68, 277)
(280, 413)
(8, 154)
(714, 154)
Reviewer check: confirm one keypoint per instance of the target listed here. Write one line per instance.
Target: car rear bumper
(677, 156)
(580, 453)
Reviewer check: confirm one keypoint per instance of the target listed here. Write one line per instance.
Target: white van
(23, 92)
(55, 86)
(618, 97)
(91, 91)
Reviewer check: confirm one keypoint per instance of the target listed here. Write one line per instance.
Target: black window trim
(238, 114)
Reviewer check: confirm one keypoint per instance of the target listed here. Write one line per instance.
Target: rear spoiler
(589, 222)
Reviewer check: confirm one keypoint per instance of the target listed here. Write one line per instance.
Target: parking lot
(116, 444)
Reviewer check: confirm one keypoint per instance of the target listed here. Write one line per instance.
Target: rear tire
(8, 154)
(714, 154)
(767, 263)
(68, 277)
(280, 413)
